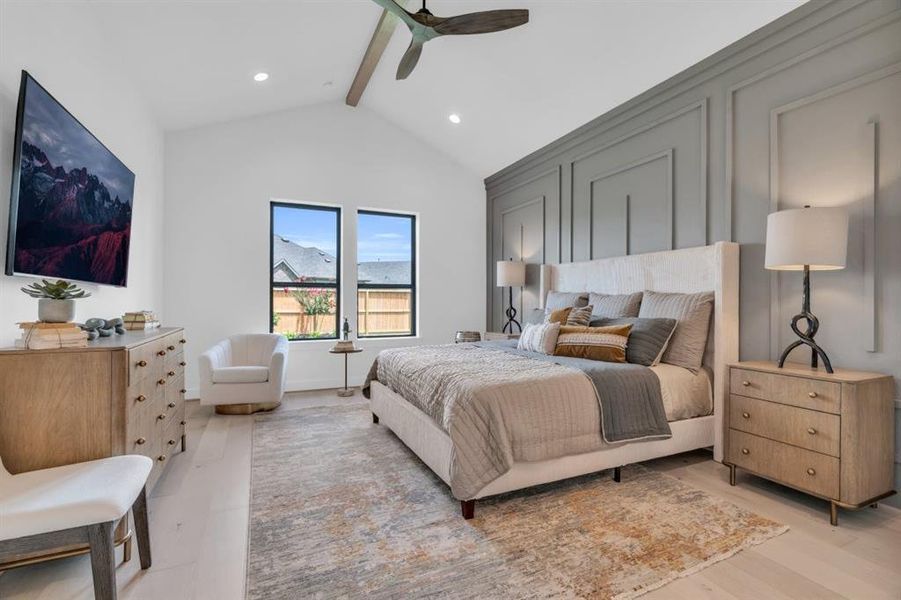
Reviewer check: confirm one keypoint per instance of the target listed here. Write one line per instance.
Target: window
(386, 274)
(305, 281)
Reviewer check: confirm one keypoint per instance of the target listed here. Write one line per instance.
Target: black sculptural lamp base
(511, 317)
(806, 337)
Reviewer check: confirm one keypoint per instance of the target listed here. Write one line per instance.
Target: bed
(694, 403)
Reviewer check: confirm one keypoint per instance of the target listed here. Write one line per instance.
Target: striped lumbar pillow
(594, 343)
(539, 338)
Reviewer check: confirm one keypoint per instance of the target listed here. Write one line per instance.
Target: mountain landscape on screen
(73, 217)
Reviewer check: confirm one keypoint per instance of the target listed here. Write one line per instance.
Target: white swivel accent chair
(76, 505)
(245, 373)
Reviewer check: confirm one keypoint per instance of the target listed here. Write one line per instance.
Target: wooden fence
(379, 312)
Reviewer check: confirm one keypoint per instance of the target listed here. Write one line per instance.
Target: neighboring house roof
(291, 261)
(389, 272)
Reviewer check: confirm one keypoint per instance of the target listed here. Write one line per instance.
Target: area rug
(340, 508)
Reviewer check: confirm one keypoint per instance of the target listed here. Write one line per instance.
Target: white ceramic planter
(56, 311)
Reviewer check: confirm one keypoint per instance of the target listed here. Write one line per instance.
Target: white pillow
(539, 338)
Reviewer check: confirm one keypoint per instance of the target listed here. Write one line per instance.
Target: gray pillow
(558, 300)
(614, 306)
(692, 313)
(647, 340)
(534, 316)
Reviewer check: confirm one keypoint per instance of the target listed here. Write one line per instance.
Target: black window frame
(336, 286)
(387, 286)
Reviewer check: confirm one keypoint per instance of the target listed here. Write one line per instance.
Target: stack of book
(141, 319)
(47, 336)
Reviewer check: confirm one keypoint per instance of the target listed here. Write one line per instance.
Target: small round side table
(345, 392)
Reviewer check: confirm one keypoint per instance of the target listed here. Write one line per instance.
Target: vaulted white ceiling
(515, 91)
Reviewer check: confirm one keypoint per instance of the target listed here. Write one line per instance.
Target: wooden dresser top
(802, 370)
(129, 339)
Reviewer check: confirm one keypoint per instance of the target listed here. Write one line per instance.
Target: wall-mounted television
(71, 200)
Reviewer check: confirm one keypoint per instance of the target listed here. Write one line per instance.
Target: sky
(68, 144)
(380, 237)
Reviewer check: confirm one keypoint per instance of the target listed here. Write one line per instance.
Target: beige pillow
(692, 314)
(607, 344)
(579, 317)
(539, 338)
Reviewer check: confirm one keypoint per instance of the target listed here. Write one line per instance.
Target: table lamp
(807, 239)
(511, 273)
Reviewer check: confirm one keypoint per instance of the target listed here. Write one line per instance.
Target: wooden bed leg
(469, 508)
(375, 418)
(617, 475)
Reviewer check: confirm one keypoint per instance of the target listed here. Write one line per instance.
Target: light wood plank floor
(199, 514)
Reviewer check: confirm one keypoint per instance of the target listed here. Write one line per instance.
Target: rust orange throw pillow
(594, 343)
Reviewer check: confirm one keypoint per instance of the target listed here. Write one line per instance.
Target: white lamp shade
(816, 237)
(511, 273)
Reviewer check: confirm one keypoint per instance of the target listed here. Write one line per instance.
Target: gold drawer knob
(170, 348)
(812, 394)
(746, 415)
(141, 363)
(171, 405)
(161, 457)
(182, 363)
(141, 398)
(171, 373)
(140, 441)
(171, 442)
(161, 353)
(811, 471)
(161, 381)
(746, 383)
(811, 431)
(745, 451)
(161, 416)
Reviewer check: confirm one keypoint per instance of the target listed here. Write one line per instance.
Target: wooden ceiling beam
(380, 38)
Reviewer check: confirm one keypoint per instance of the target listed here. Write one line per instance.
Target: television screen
(71, 200)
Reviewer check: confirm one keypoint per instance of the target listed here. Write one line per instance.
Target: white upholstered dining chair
(245, 373)
(76, 504)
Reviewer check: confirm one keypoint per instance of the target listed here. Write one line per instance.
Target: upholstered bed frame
(708, 268)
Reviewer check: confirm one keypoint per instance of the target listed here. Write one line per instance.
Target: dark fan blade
(409, 60)
(483, 22)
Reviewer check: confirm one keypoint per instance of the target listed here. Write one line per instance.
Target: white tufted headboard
(703, 269)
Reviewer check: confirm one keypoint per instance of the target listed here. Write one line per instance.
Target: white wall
(220, 179)
(66, 52)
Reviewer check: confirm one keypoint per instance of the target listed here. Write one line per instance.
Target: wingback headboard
(707, 268)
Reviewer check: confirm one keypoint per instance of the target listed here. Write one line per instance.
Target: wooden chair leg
(142, 528)
(469, 508)
(103, 559)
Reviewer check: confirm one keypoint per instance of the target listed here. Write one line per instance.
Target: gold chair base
(246, 409)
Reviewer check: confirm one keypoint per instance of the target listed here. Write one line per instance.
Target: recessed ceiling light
(261, 76)
(454, 118)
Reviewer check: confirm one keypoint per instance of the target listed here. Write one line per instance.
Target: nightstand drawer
(810, 429)
(805, 470)
(753, 384)
(814, 394)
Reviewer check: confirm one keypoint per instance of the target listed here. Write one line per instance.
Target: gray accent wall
(806, 110)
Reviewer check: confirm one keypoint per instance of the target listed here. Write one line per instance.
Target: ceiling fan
(425, 26)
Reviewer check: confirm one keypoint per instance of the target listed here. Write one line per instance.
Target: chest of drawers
(830, 435)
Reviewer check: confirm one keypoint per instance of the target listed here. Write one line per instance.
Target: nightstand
(489, 336)
(829, 435)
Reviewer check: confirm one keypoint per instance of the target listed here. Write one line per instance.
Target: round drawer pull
(184, 422)
(171, 442)
(161, 382)
(171, 373)
(141, 398)
(182, 391)
(161, 457)
(171, 405)
(161, 353)
(811, 431)
(140, 441)
(160, 417)
(170, 348)
(746, 383)
(812, 394)
(141, 363)
(811, 471)
(746, 415)
(745, 451)
(182, 363)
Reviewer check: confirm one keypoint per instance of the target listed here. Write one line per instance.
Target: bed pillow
(539, 338)
(558, 300)
(534, 316)
(607, 344)
(614, 306)
(692, 315)
(558, 316)
(579, 317)
(647, 340)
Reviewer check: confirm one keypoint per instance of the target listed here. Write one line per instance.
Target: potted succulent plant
(56, 301)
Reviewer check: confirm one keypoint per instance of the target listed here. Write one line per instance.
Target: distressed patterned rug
(340, 508)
